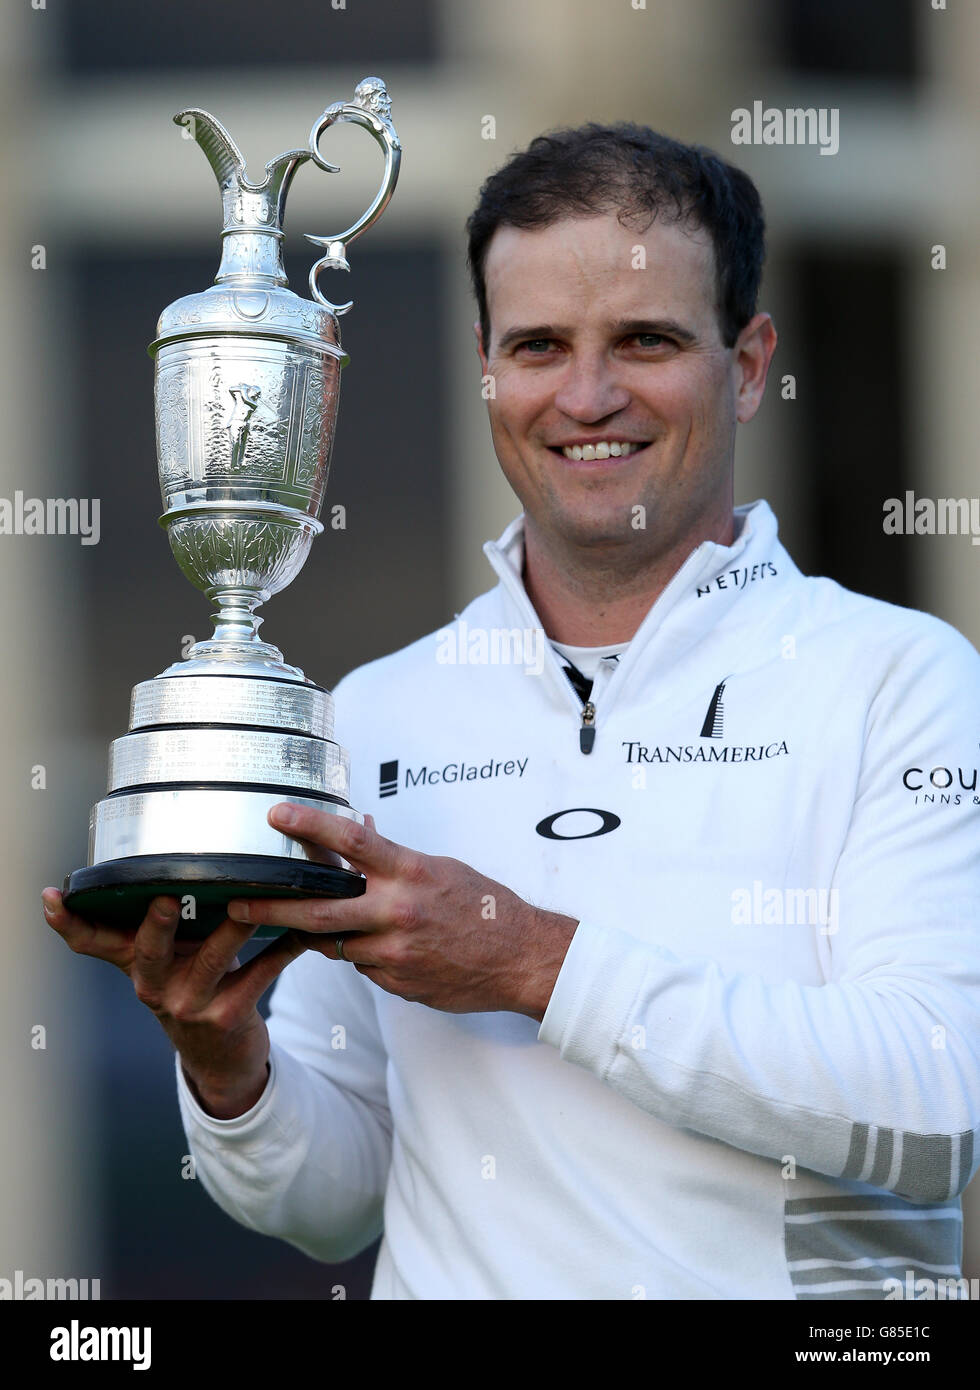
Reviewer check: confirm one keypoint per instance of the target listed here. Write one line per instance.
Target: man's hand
(206, 1002)
(428, 928)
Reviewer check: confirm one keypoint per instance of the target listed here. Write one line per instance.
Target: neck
(591, 598)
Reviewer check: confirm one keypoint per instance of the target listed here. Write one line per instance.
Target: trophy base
(118, 892)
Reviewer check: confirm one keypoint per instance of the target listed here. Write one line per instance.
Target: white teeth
(603, 450)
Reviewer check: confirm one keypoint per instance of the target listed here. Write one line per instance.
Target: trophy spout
(252, 213)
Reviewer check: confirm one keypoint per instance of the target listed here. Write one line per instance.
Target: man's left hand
(428, 928)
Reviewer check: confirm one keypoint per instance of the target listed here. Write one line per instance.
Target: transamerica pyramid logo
(714, 720)
(712, 729)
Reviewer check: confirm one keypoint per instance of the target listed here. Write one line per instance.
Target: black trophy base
(120, 891)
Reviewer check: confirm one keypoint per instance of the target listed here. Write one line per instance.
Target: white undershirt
(587, 659)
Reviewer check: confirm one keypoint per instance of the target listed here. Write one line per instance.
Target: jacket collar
(715, 582)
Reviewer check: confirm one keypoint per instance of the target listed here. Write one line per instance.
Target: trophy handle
(371, 108)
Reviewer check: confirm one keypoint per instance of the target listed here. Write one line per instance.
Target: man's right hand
(205, 1001)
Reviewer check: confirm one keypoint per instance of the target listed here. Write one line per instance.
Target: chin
(609, 527)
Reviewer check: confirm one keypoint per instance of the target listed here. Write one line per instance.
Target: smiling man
(666, 979)
(643, 350)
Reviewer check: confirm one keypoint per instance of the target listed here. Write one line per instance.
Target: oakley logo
(587, 829)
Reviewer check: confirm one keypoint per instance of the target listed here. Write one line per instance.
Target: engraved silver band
(194, 820)
(228, 755)
(280, 705)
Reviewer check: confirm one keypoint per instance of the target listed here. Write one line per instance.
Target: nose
(589, 389)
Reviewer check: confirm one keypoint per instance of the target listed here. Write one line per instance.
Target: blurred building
(110, 215)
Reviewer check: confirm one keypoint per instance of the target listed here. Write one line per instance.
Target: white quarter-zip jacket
(758, 1075)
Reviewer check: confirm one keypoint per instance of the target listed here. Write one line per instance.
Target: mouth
(600, 450)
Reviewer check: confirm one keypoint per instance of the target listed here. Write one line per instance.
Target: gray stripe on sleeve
(799, 1209)
(918, 1167)
(883, 1158)
(848, 1246)
(924, 1241)
(845, 1289)
(926, 1171)
(857, 1151)
(966, 1157)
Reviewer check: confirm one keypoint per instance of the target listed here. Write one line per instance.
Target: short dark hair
(639, 174)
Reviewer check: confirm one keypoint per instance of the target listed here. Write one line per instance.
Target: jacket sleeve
(309, 1162)
(875, 1074)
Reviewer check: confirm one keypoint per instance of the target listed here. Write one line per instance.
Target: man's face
(594, 343)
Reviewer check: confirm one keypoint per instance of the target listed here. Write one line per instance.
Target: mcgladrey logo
(451, 774)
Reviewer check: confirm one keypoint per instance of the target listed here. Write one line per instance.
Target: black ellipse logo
(608, 821)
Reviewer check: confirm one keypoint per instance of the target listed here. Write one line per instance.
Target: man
(691, 1012)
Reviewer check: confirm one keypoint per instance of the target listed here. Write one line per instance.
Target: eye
(536, 345)
(652, 340)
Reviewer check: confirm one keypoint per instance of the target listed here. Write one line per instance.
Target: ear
(751, 355)
(481, 350)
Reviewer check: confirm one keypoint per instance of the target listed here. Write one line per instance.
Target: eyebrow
(668, 328)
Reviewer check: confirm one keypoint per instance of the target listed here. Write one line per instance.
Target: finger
(111, 944)
(360, 844)
(189, 946)
(327, 946)
(153, 948)
(214, 958)
(317, 851)
(316, 854)
(319, 915)
(252, 979)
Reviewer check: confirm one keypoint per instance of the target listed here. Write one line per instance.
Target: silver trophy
(246, 387)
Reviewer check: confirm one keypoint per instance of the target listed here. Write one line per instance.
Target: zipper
(586, 734)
